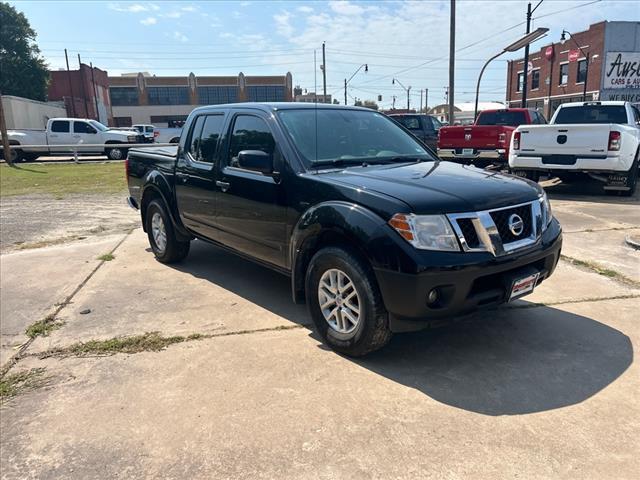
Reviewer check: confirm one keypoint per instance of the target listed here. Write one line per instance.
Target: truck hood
(440, 187)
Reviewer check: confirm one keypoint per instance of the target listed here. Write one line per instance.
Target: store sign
(622, 70)
(529, 68)
(573, 55)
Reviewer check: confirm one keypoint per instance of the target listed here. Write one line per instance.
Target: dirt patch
(38, 220)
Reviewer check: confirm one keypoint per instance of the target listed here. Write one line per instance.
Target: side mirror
(91, 130)
(256, 160)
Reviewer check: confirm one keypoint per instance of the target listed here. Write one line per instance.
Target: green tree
(370, 104)
(23, 72)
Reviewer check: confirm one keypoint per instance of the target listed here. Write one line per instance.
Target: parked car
(600, 139)
(376, 233)
(167, 135)
(487, 140)
(147, 131)
(87, 136)
(424, 127)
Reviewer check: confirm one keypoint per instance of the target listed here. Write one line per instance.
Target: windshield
(325, 135)
(98, 126)
(501, 117)
(592, 114)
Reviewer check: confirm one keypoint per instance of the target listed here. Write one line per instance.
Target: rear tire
(166, 247)
(345, 303)
(632, 181)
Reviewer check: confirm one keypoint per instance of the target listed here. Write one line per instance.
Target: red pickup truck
(486, 141)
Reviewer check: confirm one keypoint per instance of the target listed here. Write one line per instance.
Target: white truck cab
(600, 139)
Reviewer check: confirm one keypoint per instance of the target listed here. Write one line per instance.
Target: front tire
(166, 247)
(345, 303)
(116, 153)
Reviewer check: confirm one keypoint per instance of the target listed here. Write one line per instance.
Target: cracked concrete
(530, 390)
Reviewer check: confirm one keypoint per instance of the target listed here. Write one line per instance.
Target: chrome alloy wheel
(159, 232)
(339, 301)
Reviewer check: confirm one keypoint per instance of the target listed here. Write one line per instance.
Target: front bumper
(478, 281)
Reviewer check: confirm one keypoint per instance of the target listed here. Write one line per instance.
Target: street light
(393, 82)
(366, 69)
(514, 47)
(563, 39)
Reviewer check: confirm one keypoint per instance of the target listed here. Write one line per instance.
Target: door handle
(224, 186)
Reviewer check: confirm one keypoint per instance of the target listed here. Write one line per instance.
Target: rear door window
(211, 131)
(194, 138)
(60, 126)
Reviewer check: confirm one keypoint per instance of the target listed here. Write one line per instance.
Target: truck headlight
(545, 207)
(426, 232)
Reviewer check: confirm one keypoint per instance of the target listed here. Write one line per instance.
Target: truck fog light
(433, 296)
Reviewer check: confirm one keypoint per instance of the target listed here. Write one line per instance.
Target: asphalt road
(543, 388)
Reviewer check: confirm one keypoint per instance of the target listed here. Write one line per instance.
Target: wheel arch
(332, 224)
(157, 188)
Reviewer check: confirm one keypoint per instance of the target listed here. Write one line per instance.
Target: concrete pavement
(543, 388)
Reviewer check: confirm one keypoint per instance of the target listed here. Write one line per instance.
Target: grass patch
(42, 327)
(107, 257)
(148, 342)
(62, 179)
(605, 272)
(12, 385)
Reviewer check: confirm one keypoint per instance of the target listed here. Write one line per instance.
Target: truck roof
(275, 106)
(580, 104)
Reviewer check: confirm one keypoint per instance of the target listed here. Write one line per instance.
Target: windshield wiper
(337, 162)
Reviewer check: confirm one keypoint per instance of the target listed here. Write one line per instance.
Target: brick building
(85, 92)
(167, 101)
(557, 72)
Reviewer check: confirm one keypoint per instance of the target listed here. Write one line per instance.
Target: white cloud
(283, 27)
(175, 14)
(154, 7)
(181, 37)
(149, 21)
(245, 4)
(134, 8)
(344, 7)
(305, 9)
(189, 8)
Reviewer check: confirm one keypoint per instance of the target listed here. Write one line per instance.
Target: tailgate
(473, 136)
(565, 139)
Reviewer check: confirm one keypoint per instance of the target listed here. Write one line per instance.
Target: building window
(520, 82)
(123, 96)
(535, 79)
(265, 93)
(582, 71)
(168, 95)
(564, 74)
(216, 95)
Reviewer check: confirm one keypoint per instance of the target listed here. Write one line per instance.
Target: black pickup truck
(377, 234)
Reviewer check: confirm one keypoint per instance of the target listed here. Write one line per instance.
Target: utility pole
(426, 100)
(452, 58)
(525, 80)
(6, 149)
(408, 98)
(84, 90)
(324, 76)
(393, 106)
(73, 106)
(345, 91)
(95, 92)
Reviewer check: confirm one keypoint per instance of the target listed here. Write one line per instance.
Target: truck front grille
(499, 231)
(501, 219)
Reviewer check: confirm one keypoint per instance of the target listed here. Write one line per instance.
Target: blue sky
(405, 39)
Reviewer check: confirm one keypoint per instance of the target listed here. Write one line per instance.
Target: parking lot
(206, 369)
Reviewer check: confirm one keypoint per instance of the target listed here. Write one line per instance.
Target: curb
(633, 242)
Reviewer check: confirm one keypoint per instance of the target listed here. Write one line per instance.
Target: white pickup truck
(600, 139)
(86, 136)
